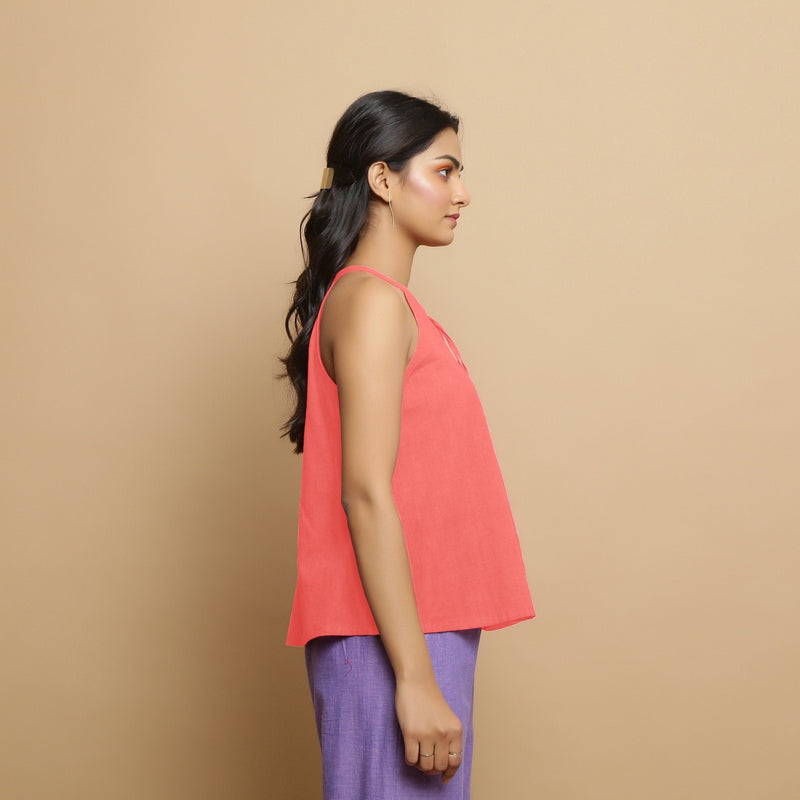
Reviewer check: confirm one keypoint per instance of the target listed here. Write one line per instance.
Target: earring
(391, 211)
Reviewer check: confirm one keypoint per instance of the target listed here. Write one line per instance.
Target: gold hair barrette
(327, 178)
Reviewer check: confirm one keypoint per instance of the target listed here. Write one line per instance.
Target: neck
(385, 249)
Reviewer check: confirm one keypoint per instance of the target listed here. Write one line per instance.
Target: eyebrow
(455, 161)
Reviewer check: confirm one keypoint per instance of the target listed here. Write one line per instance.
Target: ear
(378, 177)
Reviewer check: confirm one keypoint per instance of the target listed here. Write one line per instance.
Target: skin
(367, 338)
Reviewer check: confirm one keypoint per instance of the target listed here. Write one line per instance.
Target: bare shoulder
(365, 311)
(362, 301)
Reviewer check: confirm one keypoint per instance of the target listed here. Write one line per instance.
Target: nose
(460, 194)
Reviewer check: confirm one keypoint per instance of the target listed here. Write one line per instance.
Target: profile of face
(428, 195)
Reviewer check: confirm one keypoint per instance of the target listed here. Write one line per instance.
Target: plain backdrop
(624, 288)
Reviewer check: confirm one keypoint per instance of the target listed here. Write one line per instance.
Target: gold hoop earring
(391, 211)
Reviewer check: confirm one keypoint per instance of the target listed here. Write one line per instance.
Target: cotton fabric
(463, 550)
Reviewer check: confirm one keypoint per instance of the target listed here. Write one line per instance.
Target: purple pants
(352, 687)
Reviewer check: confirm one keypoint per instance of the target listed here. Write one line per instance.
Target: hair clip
(327, 178)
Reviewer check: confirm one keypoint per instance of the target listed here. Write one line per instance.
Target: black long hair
(381, 126)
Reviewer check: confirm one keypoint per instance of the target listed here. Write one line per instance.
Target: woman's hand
(432, 733)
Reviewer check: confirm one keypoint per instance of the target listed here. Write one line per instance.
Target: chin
(442, 240)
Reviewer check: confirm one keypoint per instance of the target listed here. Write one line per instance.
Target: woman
(406, 547)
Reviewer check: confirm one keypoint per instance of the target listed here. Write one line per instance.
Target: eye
(445, 171)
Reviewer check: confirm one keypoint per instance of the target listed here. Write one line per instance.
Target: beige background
(624, 288)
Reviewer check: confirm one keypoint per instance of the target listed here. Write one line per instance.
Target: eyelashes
(445, 172)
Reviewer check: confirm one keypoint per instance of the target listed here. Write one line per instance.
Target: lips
(453, 217)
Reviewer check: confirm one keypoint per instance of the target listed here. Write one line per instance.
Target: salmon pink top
(463, 549)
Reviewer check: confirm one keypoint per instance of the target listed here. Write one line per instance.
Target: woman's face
(428, 196)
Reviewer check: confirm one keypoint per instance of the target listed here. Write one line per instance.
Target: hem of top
(292, 641)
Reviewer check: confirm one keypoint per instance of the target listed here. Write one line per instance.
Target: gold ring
(426, 755)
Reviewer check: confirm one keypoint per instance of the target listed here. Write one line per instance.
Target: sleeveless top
(462, 543)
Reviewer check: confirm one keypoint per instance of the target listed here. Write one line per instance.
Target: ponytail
(381, 126)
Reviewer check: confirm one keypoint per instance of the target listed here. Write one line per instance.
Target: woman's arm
(368, 336)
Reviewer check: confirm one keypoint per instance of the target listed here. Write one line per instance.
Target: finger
(440, 762)
(426, 758)
(455, 756)
(412, 752)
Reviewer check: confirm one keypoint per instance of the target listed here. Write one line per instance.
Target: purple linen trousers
(353, 687)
